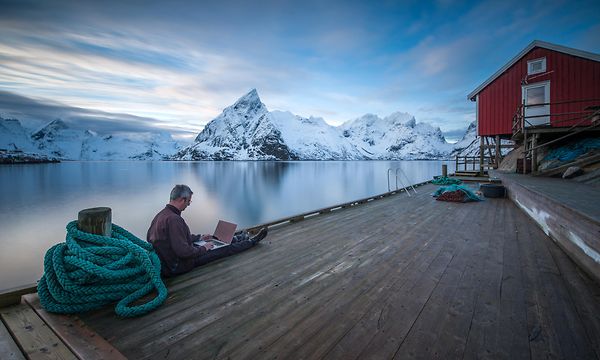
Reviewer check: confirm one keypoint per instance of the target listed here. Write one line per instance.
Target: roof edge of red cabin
(532, 45)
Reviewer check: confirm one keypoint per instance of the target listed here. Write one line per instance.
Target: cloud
(35, 113)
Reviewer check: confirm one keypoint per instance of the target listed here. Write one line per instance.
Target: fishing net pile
(574, 150)
(455, 193)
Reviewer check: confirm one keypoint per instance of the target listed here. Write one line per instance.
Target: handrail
(520, 121)
(407, 180)
(402, 181)
(579, 117)
(396, 188)
(473, 161)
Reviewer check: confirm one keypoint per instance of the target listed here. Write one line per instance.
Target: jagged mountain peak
(248, 104)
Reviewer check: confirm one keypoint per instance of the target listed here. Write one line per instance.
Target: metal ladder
(396, 170)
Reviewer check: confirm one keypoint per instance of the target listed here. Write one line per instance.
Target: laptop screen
(225, 231)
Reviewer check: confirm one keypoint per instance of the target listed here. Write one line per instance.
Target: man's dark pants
(237, 245)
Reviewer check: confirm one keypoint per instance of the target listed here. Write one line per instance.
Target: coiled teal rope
(89, 271)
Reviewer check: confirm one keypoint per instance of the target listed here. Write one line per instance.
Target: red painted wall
(571, 78)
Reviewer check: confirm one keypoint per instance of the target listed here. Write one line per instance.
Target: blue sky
(175, 65)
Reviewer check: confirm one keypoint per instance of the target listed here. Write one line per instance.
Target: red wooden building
(544, 94)
(556, 85)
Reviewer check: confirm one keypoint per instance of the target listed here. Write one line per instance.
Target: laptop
(223, 232)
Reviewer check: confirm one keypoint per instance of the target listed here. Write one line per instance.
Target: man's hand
(206, 237)
(209, 245)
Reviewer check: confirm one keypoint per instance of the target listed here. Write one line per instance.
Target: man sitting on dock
(174, 243)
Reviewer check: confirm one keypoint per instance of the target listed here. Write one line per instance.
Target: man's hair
(181, 191)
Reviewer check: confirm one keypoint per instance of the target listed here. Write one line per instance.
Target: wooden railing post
(524, 151)
(523, 116)
(533, 153)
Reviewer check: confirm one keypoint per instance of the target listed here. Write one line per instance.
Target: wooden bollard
(445, 170)
(96, 220)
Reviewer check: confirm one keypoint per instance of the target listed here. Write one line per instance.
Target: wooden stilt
(481, 155)
(498, 153)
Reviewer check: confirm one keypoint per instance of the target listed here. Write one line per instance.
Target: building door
(536, 98)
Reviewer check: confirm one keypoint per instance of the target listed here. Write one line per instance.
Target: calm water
(37, 201)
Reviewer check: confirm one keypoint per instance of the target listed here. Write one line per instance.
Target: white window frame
(542, 70)
(537, 109)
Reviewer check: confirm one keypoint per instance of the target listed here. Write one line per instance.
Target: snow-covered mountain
(397, 136)
(14, 137)
(246, 130)
(143, 146)
(469, 144)
(58, 140)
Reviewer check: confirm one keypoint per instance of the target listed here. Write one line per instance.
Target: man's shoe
(261, 235)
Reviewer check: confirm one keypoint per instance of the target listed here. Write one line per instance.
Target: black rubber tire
(492, 190)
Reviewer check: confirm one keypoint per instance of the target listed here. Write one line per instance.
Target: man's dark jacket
(174, 244)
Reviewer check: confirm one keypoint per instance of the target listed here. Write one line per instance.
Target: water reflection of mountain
(243, 186)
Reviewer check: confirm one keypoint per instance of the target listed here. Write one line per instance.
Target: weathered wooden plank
(428, 329)
(354, 309)
(481, 340)
(454, 326)
(371, 313)
(512, 338)
(8, 348)
(33, 336)
(405, 277)
(78, 337)
(348, 305)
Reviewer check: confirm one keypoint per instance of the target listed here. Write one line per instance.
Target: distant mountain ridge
(246, 130)
(57, 140)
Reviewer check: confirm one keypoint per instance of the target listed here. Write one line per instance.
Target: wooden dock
(401, 277)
